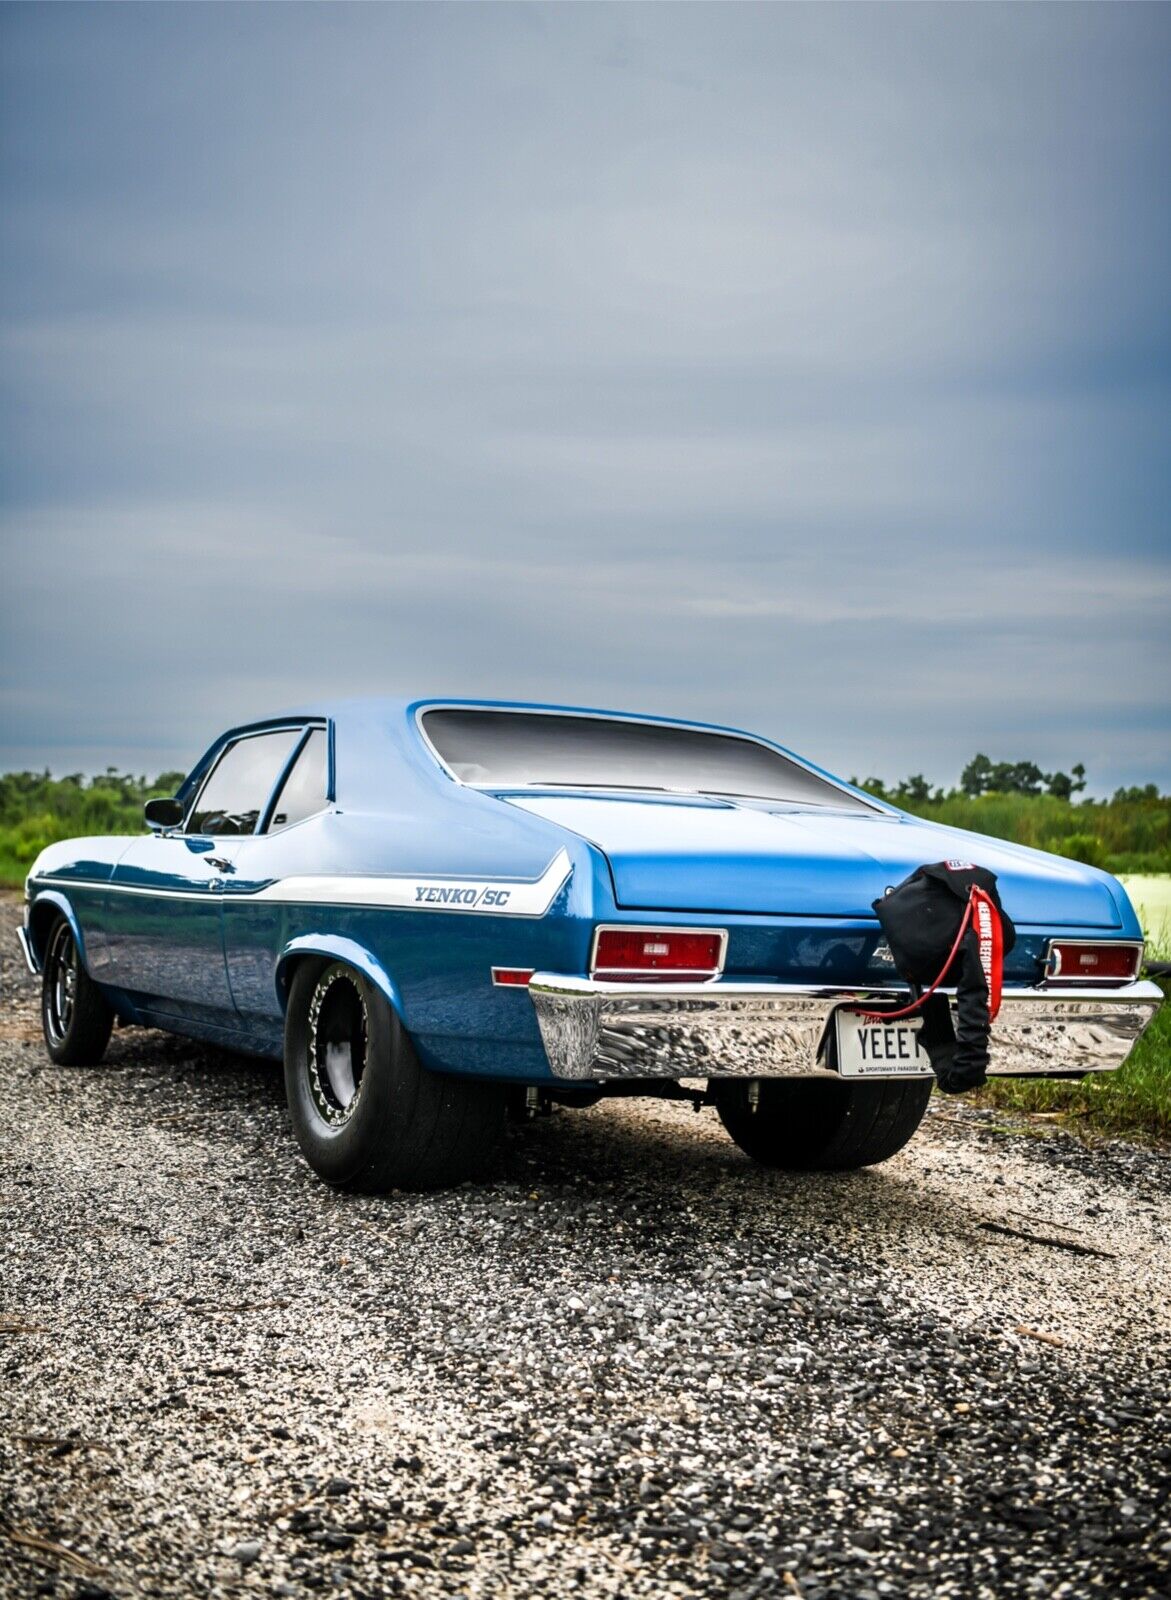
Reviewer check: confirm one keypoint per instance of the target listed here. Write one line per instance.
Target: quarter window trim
(265, 821)
(230, 743)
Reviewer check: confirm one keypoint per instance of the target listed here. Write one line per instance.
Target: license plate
(879, 1049)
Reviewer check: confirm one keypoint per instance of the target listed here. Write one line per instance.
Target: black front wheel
(367, 1114)
(818, 1125)
(75, 1015)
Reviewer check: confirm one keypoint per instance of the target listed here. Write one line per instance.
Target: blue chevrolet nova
(435, 910)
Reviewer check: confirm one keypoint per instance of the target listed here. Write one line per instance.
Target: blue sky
(803, 368)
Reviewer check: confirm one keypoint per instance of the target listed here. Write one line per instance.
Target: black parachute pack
(945, 924)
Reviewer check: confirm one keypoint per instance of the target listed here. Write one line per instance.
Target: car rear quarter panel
(433, 964)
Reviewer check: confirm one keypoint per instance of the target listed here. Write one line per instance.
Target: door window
(237, 791)
(303, 792)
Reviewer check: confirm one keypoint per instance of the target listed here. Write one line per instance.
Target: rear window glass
(510, 749)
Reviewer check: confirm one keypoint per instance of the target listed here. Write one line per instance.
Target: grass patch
(1151, 897)
(1137, 1098)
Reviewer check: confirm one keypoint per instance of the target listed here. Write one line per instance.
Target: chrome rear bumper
(595, 1030)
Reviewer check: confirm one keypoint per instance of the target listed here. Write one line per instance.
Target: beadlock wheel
(367, 1114)
(338, 1045)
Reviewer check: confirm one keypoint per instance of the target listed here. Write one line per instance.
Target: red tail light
(1087, 961)
(512, 977)
(663, 954)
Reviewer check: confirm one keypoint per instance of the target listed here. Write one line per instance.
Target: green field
(1151, 897)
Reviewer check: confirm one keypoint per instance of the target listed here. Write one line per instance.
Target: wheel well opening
(289, 968)
(40, 923)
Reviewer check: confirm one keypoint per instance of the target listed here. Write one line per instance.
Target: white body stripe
(499, 897)
(49, 882)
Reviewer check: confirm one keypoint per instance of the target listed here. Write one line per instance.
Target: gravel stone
(630, 1366)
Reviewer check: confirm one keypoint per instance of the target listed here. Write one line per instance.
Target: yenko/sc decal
(529, 897)
(444, 895)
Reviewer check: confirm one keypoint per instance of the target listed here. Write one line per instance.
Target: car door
(164, 919)
(287, 843)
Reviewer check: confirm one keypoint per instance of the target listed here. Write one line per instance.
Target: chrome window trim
(304, 724)
(658, 974)
(264, 825)
(1054, 974)
(331, 761)
(879, 808)
(265, 817)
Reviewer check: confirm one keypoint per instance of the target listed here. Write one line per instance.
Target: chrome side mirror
(163, 814)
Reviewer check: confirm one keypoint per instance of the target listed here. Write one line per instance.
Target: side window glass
(303, 792)
(240, 783)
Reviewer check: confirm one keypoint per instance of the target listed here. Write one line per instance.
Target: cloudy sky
(806, 369)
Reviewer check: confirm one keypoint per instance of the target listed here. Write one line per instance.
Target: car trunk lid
(685, 853)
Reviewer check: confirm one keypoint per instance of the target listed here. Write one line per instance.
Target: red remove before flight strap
(990, 935)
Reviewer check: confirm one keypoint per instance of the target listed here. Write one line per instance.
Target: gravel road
(632, 1364)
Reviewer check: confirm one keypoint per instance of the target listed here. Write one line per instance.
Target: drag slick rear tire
(817, 1125)
(367, 1114)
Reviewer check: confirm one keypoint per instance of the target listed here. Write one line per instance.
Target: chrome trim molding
(652, 928)
(595, 1030)
(126, 888)
(30, 959)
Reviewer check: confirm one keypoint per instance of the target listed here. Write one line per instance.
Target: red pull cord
(893, 1016)
(990, 937)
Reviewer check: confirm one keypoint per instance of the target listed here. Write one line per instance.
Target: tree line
(1018, 800)
(37, 809)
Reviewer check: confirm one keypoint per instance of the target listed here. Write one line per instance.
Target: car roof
(369, 719)
(367, 708)
(374, 732)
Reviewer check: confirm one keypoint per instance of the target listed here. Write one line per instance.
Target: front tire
(816, 1125)
(367, 1114)
(76, 1017)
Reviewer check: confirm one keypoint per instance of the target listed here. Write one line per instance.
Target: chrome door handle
(221, 862)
